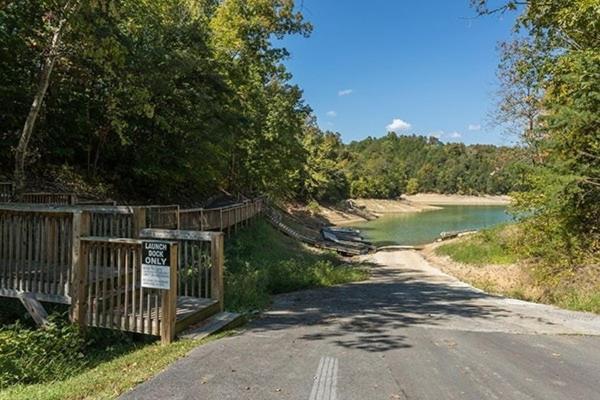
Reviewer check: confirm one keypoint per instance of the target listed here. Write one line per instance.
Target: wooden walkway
(276, 220)
(90, 258)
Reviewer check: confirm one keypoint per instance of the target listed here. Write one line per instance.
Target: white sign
(156, 265)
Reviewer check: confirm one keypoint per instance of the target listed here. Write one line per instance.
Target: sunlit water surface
(425, 227)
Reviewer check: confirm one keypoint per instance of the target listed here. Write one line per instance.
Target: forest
(392, 165)
(193, 97)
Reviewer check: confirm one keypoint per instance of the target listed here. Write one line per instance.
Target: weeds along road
(411, 332)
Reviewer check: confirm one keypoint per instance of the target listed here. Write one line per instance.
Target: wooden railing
(222, 218)
(116, 221)
(200, 268)
(49, 198)
(36, 253)
(162, 217)
(110, 294)
(90, 257)
(6, 192)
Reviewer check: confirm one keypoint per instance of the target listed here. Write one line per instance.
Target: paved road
(411, 332)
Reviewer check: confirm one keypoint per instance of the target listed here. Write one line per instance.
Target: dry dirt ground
(510, 279)
(457, 199)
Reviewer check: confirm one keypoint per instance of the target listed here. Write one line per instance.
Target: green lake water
(425, 227)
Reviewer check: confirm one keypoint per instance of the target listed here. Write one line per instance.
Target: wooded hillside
(192, 97)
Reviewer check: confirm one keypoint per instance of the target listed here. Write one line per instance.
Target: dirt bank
(457, 199)
(378, 206)
(372, 208)
(365, 209)
(511, 280)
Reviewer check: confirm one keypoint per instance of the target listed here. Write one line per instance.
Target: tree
(412, 186)
(324, 174)
(520, 75)
(562, 197)
(56, 23)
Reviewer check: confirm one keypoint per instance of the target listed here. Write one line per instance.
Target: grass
(109, 379)
(492, 246)
(260, 262)
(576, 300)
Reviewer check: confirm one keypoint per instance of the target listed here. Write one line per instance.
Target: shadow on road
(369, 315)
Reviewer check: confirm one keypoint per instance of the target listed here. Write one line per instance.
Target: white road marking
(325, 385)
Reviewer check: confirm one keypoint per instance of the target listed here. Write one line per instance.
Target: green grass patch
(260, 262)
(578, 301)
(491, 246)
(109, 379)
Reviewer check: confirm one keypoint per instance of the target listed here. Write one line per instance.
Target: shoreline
(406, 204)
(458, 199)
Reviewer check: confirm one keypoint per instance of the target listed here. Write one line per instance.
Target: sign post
(156, 264)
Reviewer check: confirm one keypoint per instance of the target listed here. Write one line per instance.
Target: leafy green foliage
(562, 200)
(109, 379)
(191, 96)
(254, 271)
(39, 355)
(392, 165)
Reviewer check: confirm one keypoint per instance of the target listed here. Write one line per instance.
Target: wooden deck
(90, 258)
(148, 320)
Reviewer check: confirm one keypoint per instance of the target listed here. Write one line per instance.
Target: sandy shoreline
(379, 206)
(407, 204)
(457, 199)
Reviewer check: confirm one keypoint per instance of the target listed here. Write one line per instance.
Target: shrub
(260, 262)
(313, 207)
(40, 355)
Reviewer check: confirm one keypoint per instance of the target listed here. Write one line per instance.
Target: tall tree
(563, 197)
(56, 23)
(520, 76)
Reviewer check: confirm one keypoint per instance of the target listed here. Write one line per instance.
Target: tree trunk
(53, 50)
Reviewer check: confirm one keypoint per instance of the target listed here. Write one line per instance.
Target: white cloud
(474, 127)
(437, 134)
(397, 125)
(455, 135)
(331, 114)
(345, 92)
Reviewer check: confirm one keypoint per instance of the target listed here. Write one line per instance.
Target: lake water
(425, 227)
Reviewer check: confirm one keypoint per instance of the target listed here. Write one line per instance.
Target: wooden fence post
(139, 221)
(217, 258)
(79, 267)
(169, 301)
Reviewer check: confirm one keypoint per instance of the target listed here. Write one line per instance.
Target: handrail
(195, 277)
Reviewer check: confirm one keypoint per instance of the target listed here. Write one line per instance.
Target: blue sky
(419, 66)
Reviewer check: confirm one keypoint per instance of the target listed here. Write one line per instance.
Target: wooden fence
(200, 271)
(222, 218)
(64, 199)
(36, 253)
(162, 217)
(6, 192)
(110, 294)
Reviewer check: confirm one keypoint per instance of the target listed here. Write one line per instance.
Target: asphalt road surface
(411, 332)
